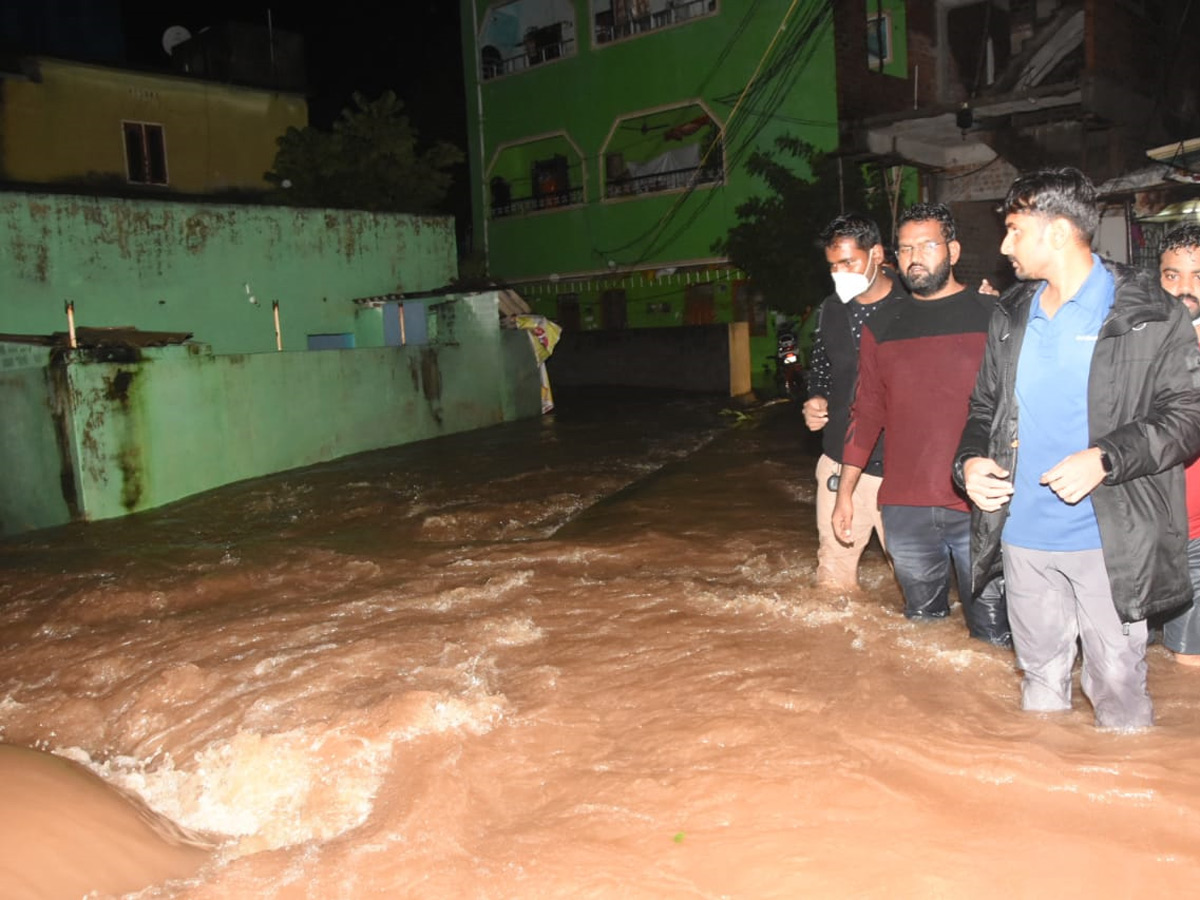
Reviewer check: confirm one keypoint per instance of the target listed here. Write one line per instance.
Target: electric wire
(772, 81)
(783, 72)
(725, 51)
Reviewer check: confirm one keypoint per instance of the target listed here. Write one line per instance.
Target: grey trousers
(1055, 598)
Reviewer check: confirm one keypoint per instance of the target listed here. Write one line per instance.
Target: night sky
(410, 46)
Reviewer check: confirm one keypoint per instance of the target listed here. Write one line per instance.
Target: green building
(608, 141)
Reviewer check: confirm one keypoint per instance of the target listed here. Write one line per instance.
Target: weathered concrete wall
(105, 438)
(35, 487)
(702, 358)
(212, 270)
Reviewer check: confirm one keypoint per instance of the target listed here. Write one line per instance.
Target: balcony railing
(609, 30)
(541, 45)
(657, 182)
(521, 205)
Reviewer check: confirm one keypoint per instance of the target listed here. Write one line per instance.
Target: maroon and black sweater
(916, 370)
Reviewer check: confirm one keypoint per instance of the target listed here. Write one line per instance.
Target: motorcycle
(789, 376)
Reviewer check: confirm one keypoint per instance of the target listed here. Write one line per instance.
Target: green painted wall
(179, 420)
(212, 270)
(29, 443)
(654, 298)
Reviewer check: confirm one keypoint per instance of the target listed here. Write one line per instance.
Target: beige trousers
(837, 563)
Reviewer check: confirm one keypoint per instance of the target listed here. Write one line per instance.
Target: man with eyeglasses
(917, 366)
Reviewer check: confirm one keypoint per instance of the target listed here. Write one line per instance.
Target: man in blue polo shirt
(1086, 405)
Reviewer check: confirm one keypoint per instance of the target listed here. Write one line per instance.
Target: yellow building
(76, 123)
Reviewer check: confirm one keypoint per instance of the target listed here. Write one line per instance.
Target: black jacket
(841, 350)
(1143, 411)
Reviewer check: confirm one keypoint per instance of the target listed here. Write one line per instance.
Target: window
(343, 341)
(666, 150)
(879, 40)
(145, 153)
(617, 19)
(543, 174)
(519, 35)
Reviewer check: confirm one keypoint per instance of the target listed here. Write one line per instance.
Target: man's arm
(867, 415)
(843, 507)
(1170, 434)
(820, 382)
(820, 373)
(987, 485)
(868, 410)
(984, 480)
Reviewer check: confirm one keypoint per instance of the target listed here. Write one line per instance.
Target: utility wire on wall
(771, 83)
(747, 17)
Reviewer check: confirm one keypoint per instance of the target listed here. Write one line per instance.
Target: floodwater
(577, 657)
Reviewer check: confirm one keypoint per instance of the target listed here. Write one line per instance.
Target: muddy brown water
(576, 657)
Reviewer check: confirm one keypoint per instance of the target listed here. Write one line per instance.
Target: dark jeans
(1181, 633)
(930, 544)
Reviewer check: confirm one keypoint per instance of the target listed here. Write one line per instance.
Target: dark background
(412, 47)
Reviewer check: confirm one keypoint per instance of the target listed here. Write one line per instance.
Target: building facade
(114, 130)
(982, 90)
(608, 141)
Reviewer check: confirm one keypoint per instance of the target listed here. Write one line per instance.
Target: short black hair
(930, 212)
(1052, 193)
(1183, 237)
(851, 225)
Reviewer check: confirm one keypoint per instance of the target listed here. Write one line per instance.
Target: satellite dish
(173, 37)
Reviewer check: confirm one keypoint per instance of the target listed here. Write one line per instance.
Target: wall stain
(195, 234)
(199, 228)
(42, 266)
(129, 460)
(60, 415)
(119, 390)
(117, 387)
(431, 381)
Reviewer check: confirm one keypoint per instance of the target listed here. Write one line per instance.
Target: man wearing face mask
(1179, 274)
(917, 365)
(863, 289)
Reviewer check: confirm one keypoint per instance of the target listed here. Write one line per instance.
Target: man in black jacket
(1093, 372)
(863, 288)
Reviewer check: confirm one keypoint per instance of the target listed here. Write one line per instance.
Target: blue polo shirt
(1052, 416)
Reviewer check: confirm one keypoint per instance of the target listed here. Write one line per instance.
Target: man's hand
(843, 518)
(985, 287)
(987, 484)
(816, 413)
(1076, 476)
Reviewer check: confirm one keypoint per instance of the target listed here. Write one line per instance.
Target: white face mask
(848, 285)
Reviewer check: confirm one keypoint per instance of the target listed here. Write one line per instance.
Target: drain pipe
(70, 306)
(278, 333)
